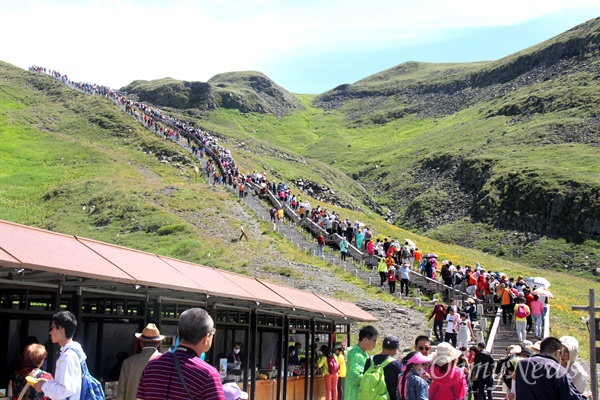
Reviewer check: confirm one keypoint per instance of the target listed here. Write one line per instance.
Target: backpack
(91, 389)
(472, 280)
(405, 253)
(372, 383)
(457, 278)
(332, 365)
(521, 311)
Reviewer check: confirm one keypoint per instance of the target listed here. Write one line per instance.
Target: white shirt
(67, 377)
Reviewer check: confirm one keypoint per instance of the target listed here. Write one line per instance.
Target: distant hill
(247, 91)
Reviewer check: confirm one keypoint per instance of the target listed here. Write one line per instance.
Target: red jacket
(439, 312)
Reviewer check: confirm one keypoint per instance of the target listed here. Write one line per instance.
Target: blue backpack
(91, 389)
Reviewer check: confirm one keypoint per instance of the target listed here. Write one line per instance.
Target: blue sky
(305, 46)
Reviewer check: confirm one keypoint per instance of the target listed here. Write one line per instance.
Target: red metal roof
(347, 308)
(40, 250)
(54, 252)
(301, 299)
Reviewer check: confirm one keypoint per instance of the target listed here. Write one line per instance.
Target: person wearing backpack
(330, 367)
(521, 312)
(357, 357)
(68, 373)
(380, 376)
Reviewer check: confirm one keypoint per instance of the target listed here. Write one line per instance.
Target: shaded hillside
(247, 91)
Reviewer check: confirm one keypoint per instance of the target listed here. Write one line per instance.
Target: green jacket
(355, 369)
(382, 266)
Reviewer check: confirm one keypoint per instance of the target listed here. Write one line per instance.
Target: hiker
(411, 385)
(439, 316)
(382, 269)
(482, 373)
(541, 377)
(465, 332)
(330, 367)
(320, 245)
(570, 363)
(448, 381)
(521, 312)
(404, 278)
(452, 321)
(391, 368)
(391, 277)
(357, 357)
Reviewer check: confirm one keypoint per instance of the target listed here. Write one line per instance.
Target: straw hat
(470, 300)
(444, 354)
(150, 334)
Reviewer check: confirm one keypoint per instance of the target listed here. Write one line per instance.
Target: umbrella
(542, 291)
(430, 255)
(410, 242)
(536, 281)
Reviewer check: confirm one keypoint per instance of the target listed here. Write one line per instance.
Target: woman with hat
(448, 381)
(411, 386)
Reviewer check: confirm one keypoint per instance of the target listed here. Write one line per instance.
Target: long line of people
(456, 368)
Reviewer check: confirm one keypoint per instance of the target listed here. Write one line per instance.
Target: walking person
(404, 278)
(482, 373)
(537, 308)
(320, 245)
(382, 269)
(452, 323)
(465, 332)
(521, 313)
(391, 277)
(344, 248)
(506, 298)
(439, 316)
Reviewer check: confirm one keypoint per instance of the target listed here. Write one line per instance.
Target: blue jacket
(416, 387)
(542, 378)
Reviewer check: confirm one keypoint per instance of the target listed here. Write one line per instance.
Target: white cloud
(117, 41)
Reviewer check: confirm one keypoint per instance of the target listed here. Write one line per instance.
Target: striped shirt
(160, 381)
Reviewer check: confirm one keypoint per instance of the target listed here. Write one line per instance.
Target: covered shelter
(115, 291)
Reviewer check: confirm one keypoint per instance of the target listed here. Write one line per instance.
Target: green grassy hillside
(77, 164)
(501, 155)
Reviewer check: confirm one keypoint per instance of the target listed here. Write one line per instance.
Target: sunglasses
(421, 348)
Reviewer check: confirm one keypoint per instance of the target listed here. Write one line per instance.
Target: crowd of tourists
(546, 370)
(458, 368)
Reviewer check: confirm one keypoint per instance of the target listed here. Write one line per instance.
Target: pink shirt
(536, 307)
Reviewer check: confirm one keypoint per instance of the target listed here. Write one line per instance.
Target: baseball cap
(391, 342)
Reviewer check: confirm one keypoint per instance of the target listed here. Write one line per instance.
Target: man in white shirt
(67, 377)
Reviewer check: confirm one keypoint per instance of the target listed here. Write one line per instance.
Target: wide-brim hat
(444, 354)
(233, 392)
(470, 300)
(150, 334)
